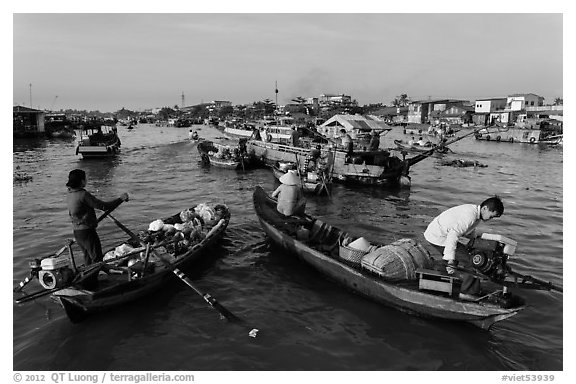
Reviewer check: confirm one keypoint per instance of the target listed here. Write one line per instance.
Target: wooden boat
(132, 275)
(311, 181)
(363, 167)
(225, 153)
(320, 250)
(543, 133)
(419, 148)
(58, 126)
(94, 141)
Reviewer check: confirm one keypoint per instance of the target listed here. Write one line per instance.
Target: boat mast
(276, 105)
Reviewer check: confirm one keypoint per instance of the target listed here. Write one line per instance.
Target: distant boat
(228, 154)
(419, 148)
(363, 167)
(95, 141)
(57, 125)
(239, 129)
(543, 133)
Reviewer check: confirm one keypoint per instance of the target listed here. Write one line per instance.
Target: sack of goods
(398, 260)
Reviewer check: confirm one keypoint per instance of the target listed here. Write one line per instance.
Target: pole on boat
(206, 296)
(419, 158)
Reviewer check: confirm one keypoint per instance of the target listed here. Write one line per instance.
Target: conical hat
(290, 178)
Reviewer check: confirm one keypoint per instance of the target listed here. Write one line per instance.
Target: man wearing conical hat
(290, 197)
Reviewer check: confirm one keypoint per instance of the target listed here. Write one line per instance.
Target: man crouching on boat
(290, 197)
(443, 233)
(81, 204)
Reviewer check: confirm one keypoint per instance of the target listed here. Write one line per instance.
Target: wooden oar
(29, 278)
(206, 296)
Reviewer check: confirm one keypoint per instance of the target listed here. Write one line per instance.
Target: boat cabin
(96, 135)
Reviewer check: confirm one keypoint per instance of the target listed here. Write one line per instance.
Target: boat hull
(404, 297)
(364, 168)
(91, 151)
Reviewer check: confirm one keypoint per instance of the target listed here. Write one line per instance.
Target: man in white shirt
(443, 233)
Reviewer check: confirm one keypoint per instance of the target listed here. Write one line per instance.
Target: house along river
(306, 322)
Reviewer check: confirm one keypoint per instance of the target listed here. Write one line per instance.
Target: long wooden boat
(133, 274)
(545, 135)
(97, 141)
(226, 153)
(418, 148)
(320, 250)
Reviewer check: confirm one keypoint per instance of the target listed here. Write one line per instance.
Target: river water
(305, 322)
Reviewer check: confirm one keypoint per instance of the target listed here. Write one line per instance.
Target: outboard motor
(489, 254)
(55, 272)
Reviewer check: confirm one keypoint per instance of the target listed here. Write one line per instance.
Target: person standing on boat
(256, 134)
(290, 197)
(295, 137)
(312, 158)
(374, 141)
(347, 142)
(460, 221)
(81, 205)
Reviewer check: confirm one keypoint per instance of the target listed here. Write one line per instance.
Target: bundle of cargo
(185, 229)
(398, 260)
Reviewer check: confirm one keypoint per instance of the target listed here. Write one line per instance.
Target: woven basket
(351, 255)
(397, 261)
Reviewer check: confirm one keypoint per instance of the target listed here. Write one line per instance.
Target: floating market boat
(134, 268)
(542, 132)
(93, 141)
(419, 148)
(225, 153)
(396, 275)
(363, 167)
(58, 126)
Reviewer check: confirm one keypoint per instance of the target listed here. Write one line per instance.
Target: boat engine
(53, 272)
(489, 254)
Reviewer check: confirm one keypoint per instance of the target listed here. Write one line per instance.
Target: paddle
(299, 175)
(59, 252)
(206, 296)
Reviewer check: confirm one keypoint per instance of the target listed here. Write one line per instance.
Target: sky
(109, 61)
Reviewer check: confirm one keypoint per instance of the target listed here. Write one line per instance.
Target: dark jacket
(81, 204)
